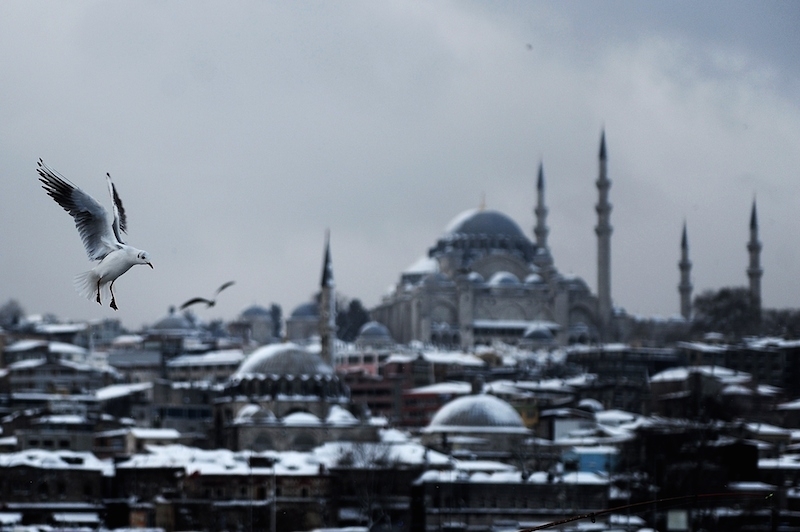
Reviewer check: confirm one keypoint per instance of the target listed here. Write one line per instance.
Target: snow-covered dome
(534, 278)
(253, 412)
(477, 412)
(301, 418)
(340, 416)
(491, 223)
(503, 279)
(284, 359)
(475, 277)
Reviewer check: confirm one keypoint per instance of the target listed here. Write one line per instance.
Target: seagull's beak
(151, 266)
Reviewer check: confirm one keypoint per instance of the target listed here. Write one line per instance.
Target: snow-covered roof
(62, 459)
(120, 390)
(61, 328)
(442, 388)
(213, 358)
(155, 434)
(721, 373)
(424, 264)
(513, 477)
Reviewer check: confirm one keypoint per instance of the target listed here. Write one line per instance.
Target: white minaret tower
(603, 230)
(685, 287)
(543, 259)
(327, 307)
(754, 271)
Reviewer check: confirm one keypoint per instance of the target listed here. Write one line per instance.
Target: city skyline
(239, 136)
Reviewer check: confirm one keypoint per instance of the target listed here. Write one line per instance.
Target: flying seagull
(103, 241)
(209, 302)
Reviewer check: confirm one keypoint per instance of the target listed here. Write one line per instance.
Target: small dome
(173, 321)
(484, 222)
(374, 329)
(475, 277)
(503, 279)
(252, 412)
(340, 416)
(283, 359)
(301, 418)
(306, 310)
(534, 278)
(256, 311)
(477, 412)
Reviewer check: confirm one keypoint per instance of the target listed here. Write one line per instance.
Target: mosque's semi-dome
(477, 413)
(283, 359)
(491, 223)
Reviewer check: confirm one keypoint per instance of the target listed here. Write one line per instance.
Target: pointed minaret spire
(327, 306)
(541, 230)
(603, 231)
(754, 271)
(603, 145)
(685, 286)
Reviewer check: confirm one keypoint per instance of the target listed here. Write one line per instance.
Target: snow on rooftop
(213, 358)
(155, 434)
(512, 476)
(719, 372)
(121, 390)
(25, 345)
(42, 459)
(443, 388)
(424, 264)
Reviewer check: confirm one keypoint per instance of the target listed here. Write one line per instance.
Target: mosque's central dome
(490, 223)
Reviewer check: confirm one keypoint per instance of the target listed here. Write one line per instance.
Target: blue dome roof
(484, 222)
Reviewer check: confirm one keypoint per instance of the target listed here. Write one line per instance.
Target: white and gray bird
(103, 241)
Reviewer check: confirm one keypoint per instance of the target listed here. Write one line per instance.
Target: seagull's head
(144, 258)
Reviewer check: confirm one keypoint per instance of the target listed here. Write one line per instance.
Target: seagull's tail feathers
(86, 284)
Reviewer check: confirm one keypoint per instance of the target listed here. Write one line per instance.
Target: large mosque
(485, 280)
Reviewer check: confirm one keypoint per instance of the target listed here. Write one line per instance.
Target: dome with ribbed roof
(482, 413)
(284, 359)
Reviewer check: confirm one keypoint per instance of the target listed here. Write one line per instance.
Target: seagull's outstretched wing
(90, 217)
(120, 224)
(196, 300)
(223, 287)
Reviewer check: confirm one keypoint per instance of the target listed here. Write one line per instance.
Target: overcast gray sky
(238, 132)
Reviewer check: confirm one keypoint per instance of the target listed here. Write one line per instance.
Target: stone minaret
(543, 259)
(603, 230)
(685, 287)
(541, 230)
(327, 307)
(755, 271)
